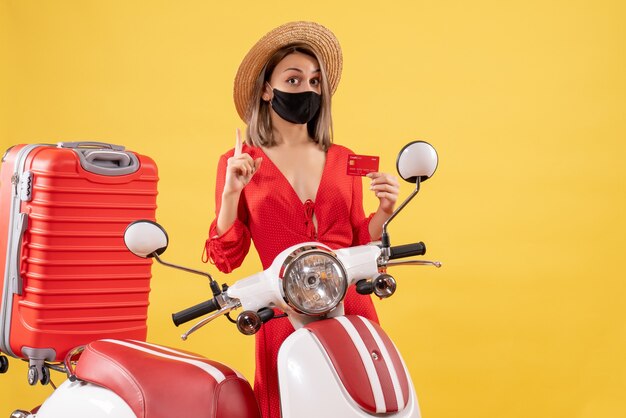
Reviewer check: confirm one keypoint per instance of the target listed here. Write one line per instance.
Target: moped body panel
(81, 400)
(311, 385)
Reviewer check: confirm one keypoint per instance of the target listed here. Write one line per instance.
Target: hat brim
(322, 40)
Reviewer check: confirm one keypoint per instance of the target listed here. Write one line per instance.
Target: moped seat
(159, 382)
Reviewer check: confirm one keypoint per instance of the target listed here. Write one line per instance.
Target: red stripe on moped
(366, 362)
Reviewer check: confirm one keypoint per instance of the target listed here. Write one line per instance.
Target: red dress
(271, 213)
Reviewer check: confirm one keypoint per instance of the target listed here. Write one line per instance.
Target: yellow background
(524, 101)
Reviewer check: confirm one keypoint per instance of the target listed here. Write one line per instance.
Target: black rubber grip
(408, 250)
(194, 312)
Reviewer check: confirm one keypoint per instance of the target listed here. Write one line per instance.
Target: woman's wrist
(228, 211)
(377, 220)
(230, 194)
(385, 211)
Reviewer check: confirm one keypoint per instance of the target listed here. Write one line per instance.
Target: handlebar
(195, 311)
(407, 250)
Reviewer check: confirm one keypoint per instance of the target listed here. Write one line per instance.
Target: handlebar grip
(407, 250)
(195, 311)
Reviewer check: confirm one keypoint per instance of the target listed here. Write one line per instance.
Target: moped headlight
(314, 281)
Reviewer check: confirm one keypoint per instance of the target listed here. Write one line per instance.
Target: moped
(333, 365)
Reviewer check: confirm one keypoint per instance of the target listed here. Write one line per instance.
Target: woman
(287, 183)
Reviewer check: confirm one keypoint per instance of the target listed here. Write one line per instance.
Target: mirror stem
(215, 288)
(385, 237)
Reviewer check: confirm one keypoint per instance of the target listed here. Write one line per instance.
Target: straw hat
(322, 40)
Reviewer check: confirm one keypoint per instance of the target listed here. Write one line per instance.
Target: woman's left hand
(386, 188)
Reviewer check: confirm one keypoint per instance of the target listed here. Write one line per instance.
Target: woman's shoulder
(339, 149)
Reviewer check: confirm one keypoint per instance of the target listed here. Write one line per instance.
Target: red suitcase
(68, 277)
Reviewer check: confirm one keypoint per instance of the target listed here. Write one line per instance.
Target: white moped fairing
(344, 367)
(263, 289)
(84, 400)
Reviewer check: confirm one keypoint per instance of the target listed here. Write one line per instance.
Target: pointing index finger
(238, 145)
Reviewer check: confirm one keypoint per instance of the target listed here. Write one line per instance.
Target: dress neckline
(290, 186)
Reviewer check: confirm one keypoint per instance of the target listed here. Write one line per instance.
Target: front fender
(325, 371)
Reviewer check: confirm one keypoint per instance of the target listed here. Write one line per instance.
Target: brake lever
(414, 263)
(224, 310)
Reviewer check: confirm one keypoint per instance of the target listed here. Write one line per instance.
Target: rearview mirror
(417, 160)
(145, 238)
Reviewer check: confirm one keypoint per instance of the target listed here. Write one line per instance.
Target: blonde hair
(259, 129)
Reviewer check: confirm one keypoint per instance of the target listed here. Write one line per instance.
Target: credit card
(361, 165)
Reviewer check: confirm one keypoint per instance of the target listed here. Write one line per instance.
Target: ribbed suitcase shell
(78, 281)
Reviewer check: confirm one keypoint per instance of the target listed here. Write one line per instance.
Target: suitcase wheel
(38, 373)
(4, 364)
(45, 376)
(33, 375)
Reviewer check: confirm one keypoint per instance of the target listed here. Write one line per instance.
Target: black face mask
(297, 108)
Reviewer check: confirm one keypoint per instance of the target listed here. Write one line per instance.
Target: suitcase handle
(16, 276)
(108, 162)
(90, 144)
(102, 158)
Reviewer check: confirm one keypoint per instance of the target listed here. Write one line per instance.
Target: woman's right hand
(240, 169)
